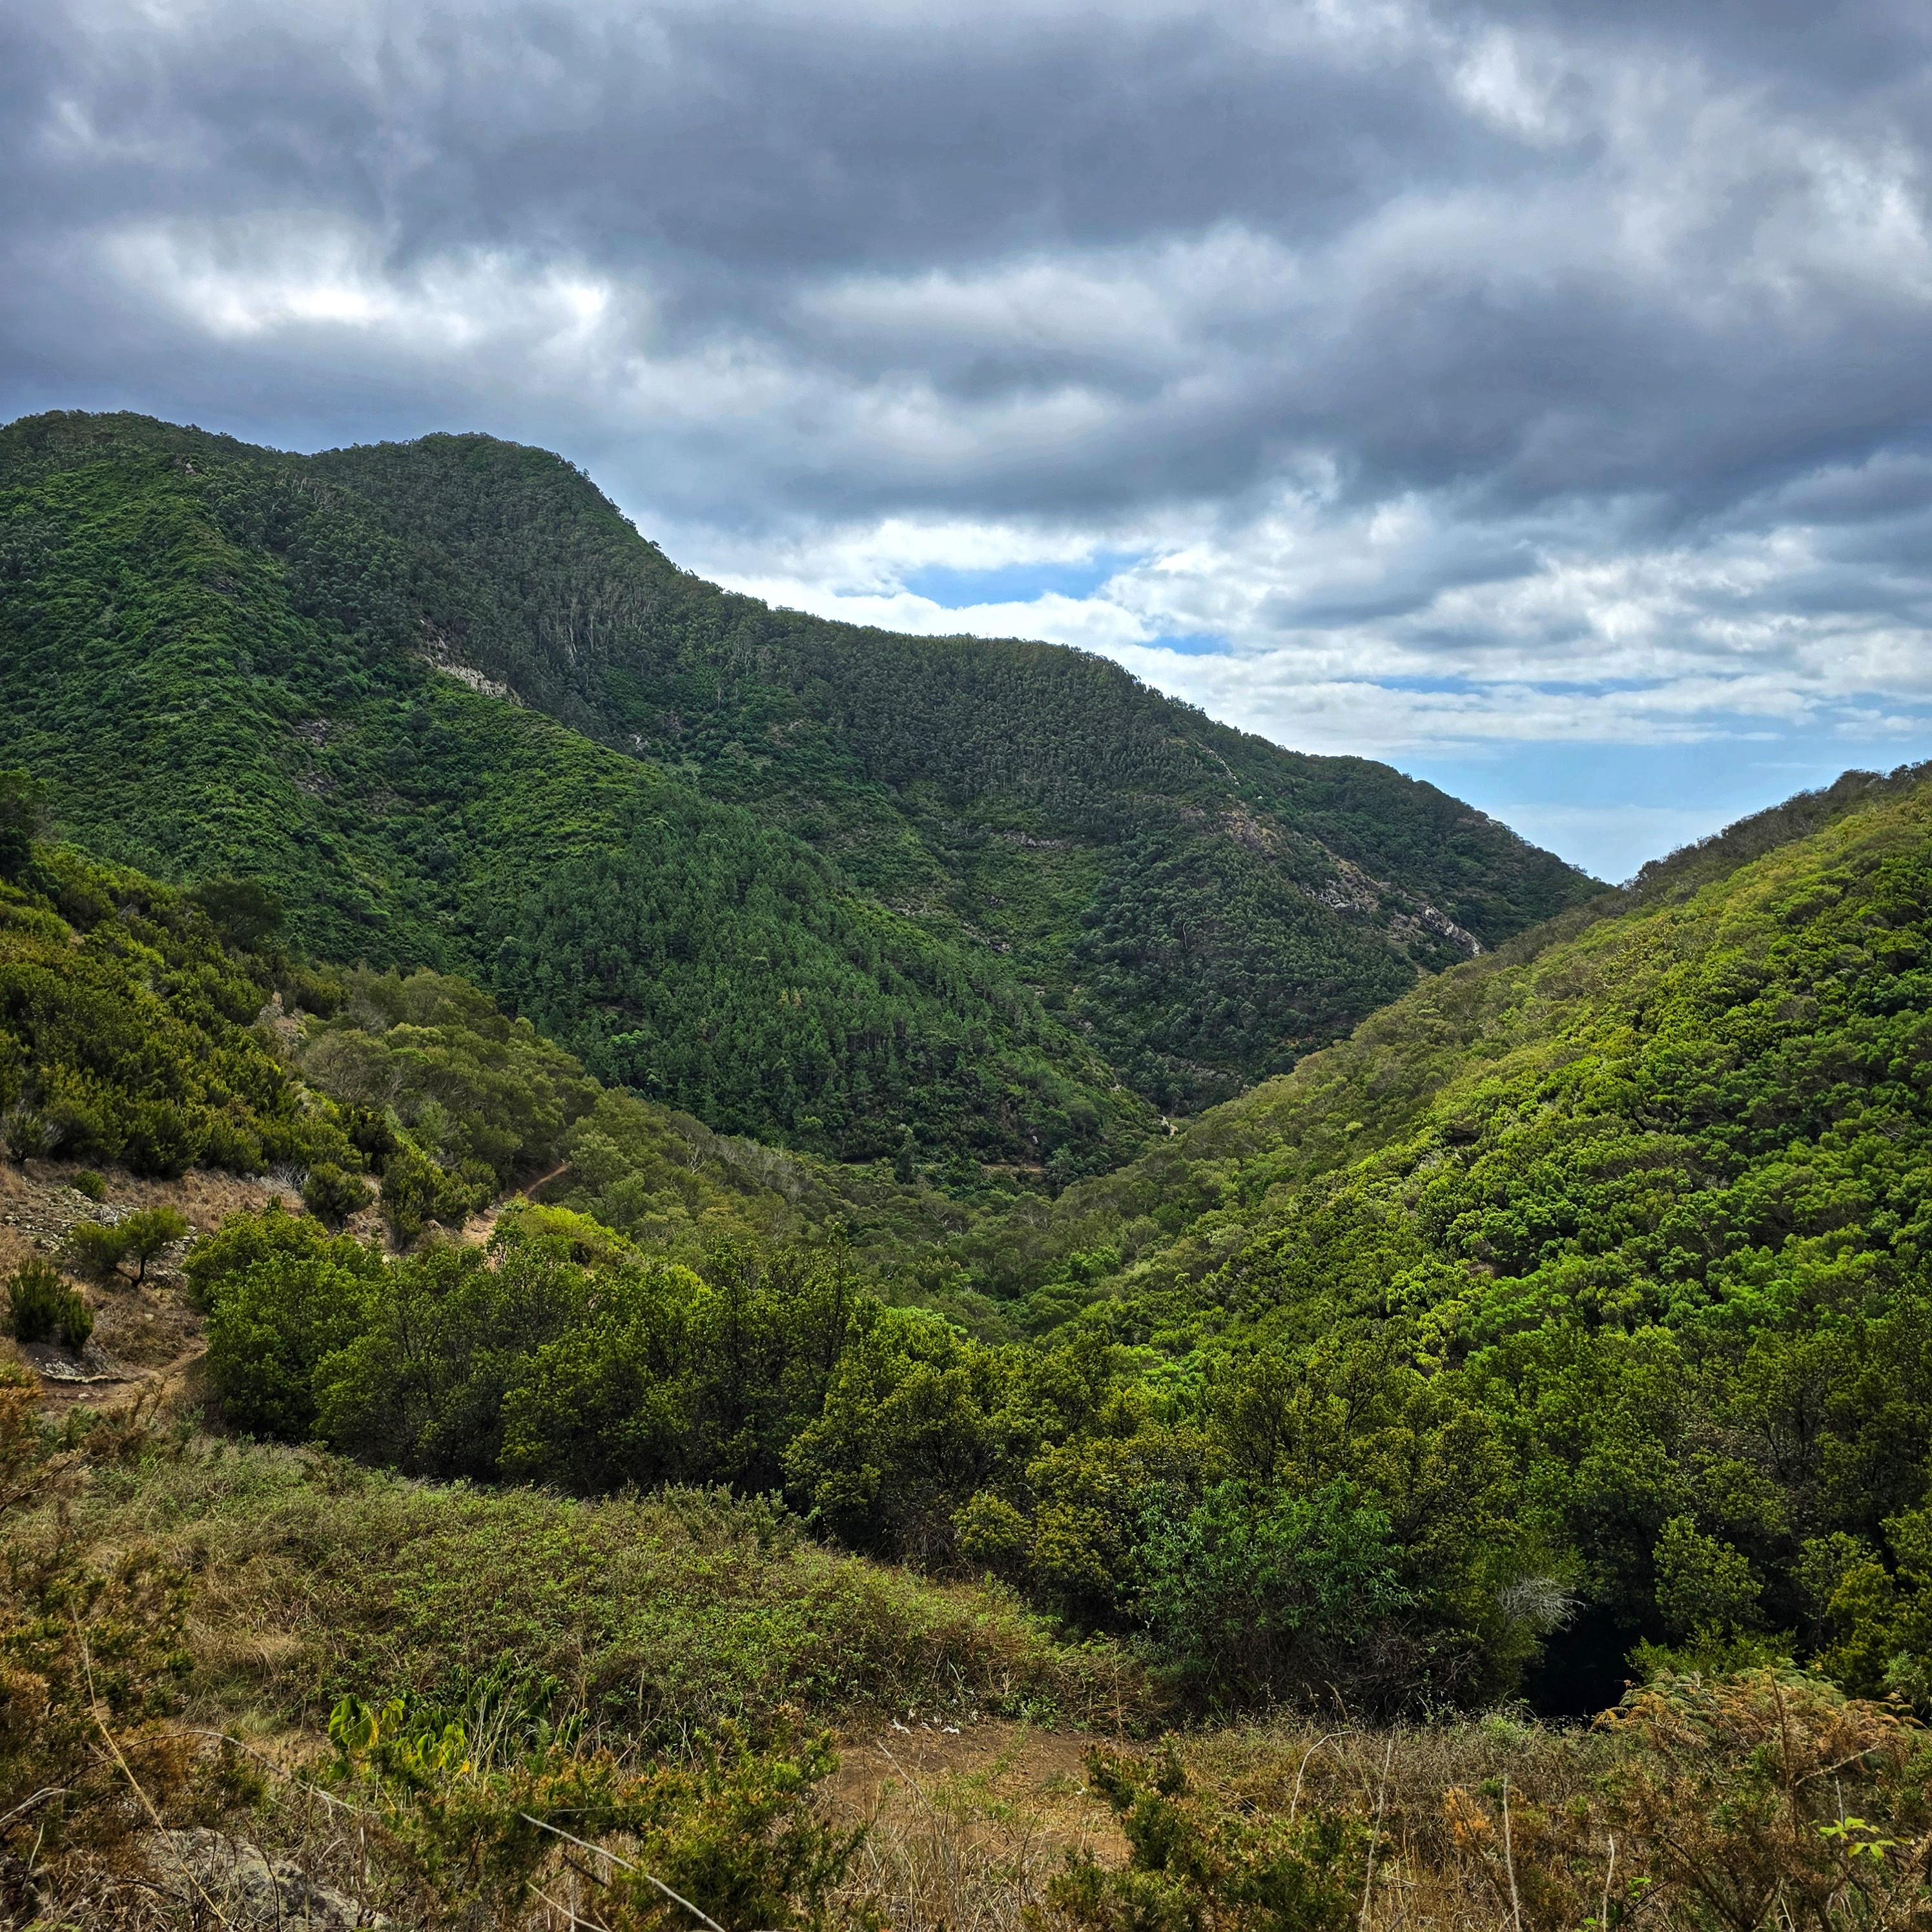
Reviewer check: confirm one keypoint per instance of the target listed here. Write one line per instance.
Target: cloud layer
(1403, 378)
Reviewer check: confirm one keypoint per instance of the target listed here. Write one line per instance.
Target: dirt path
(482, 1224)
(62, 1388)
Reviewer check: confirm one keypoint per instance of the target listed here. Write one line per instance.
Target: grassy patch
(663, 1614)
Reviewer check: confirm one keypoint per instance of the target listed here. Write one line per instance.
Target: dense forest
(1566, 1328)
(1573, 1313)
(810, 884)
(212, 668)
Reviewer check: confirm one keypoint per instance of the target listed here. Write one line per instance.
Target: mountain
(1574, 1317)
(1201, 902)
(812, 884)
(1623, 1232)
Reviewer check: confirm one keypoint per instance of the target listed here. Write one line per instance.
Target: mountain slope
(1618, 1244)
(1206, 903)
(809, 882)
(1594, 988)
(1574, 1318)
(209, 660)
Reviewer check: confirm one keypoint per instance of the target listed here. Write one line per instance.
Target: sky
(1534, 396)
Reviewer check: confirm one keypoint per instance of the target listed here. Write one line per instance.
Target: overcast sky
(1535, 397)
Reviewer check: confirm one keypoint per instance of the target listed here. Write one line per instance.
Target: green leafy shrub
(1261, 1594)
(22, 810)
(244, 912)
(44, 1308)
(86, 1181)
(736, 1833)
(332, 1195)
(281, 1295)
(1198, 1864)
(97, 1247)
(416, 1192)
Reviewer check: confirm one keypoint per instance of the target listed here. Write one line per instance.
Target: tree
(22, 812)
(147, 1232)
(1259, 1594)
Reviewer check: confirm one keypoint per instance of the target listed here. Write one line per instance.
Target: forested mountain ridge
(1206, 903)
(1138, 904)
(211, 661)
(1226, 1170)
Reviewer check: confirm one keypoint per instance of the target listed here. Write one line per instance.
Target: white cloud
(1456, 377)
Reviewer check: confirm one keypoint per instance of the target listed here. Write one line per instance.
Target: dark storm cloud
(1508, 347)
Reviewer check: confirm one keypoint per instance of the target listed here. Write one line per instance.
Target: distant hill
(862, 894)
(1203, 903)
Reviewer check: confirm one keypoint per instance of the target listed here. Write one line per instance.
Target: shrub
(26, 1131)
(22, 807)
(45, 1308)
(331, 1194)
(1771, 1797)
(416, 1192)
(736, 1833)
(280, 1295)
(1193, 1863)
(147, 1232)
(1257, 1594)
(163, 1138)
(231, 1143)
(96, 1247)
(87, 1182)
(244, 912)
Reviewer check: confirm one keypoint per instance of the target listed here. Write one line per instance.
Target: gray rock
(253, 1892)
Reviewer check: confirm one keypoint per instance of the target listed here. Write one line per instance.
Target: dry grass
(964, 1829)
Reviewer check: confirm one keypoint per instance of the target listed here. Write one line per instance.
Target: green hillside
(211, 661)
(1204, 902)
(130, 1035)
(1620, 1233)
(1573, 1318)
(811, 883)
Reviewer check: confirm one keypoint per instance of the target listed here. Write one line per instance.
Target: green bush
(44, 1308)
(1194, 1863)
(280, 1295)
(1259, 1595)
(416, 1192)
(22, 807)
(147, 1232)
(737, 1832)
(87, 1182)
(244, 912)
(331, 1195)
(97, 1247)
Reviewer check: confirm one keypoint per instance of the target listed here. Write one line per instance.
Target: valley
(672, 1264)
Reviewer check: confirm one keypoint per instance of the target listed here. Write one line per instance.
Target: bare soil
(146, 1339)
